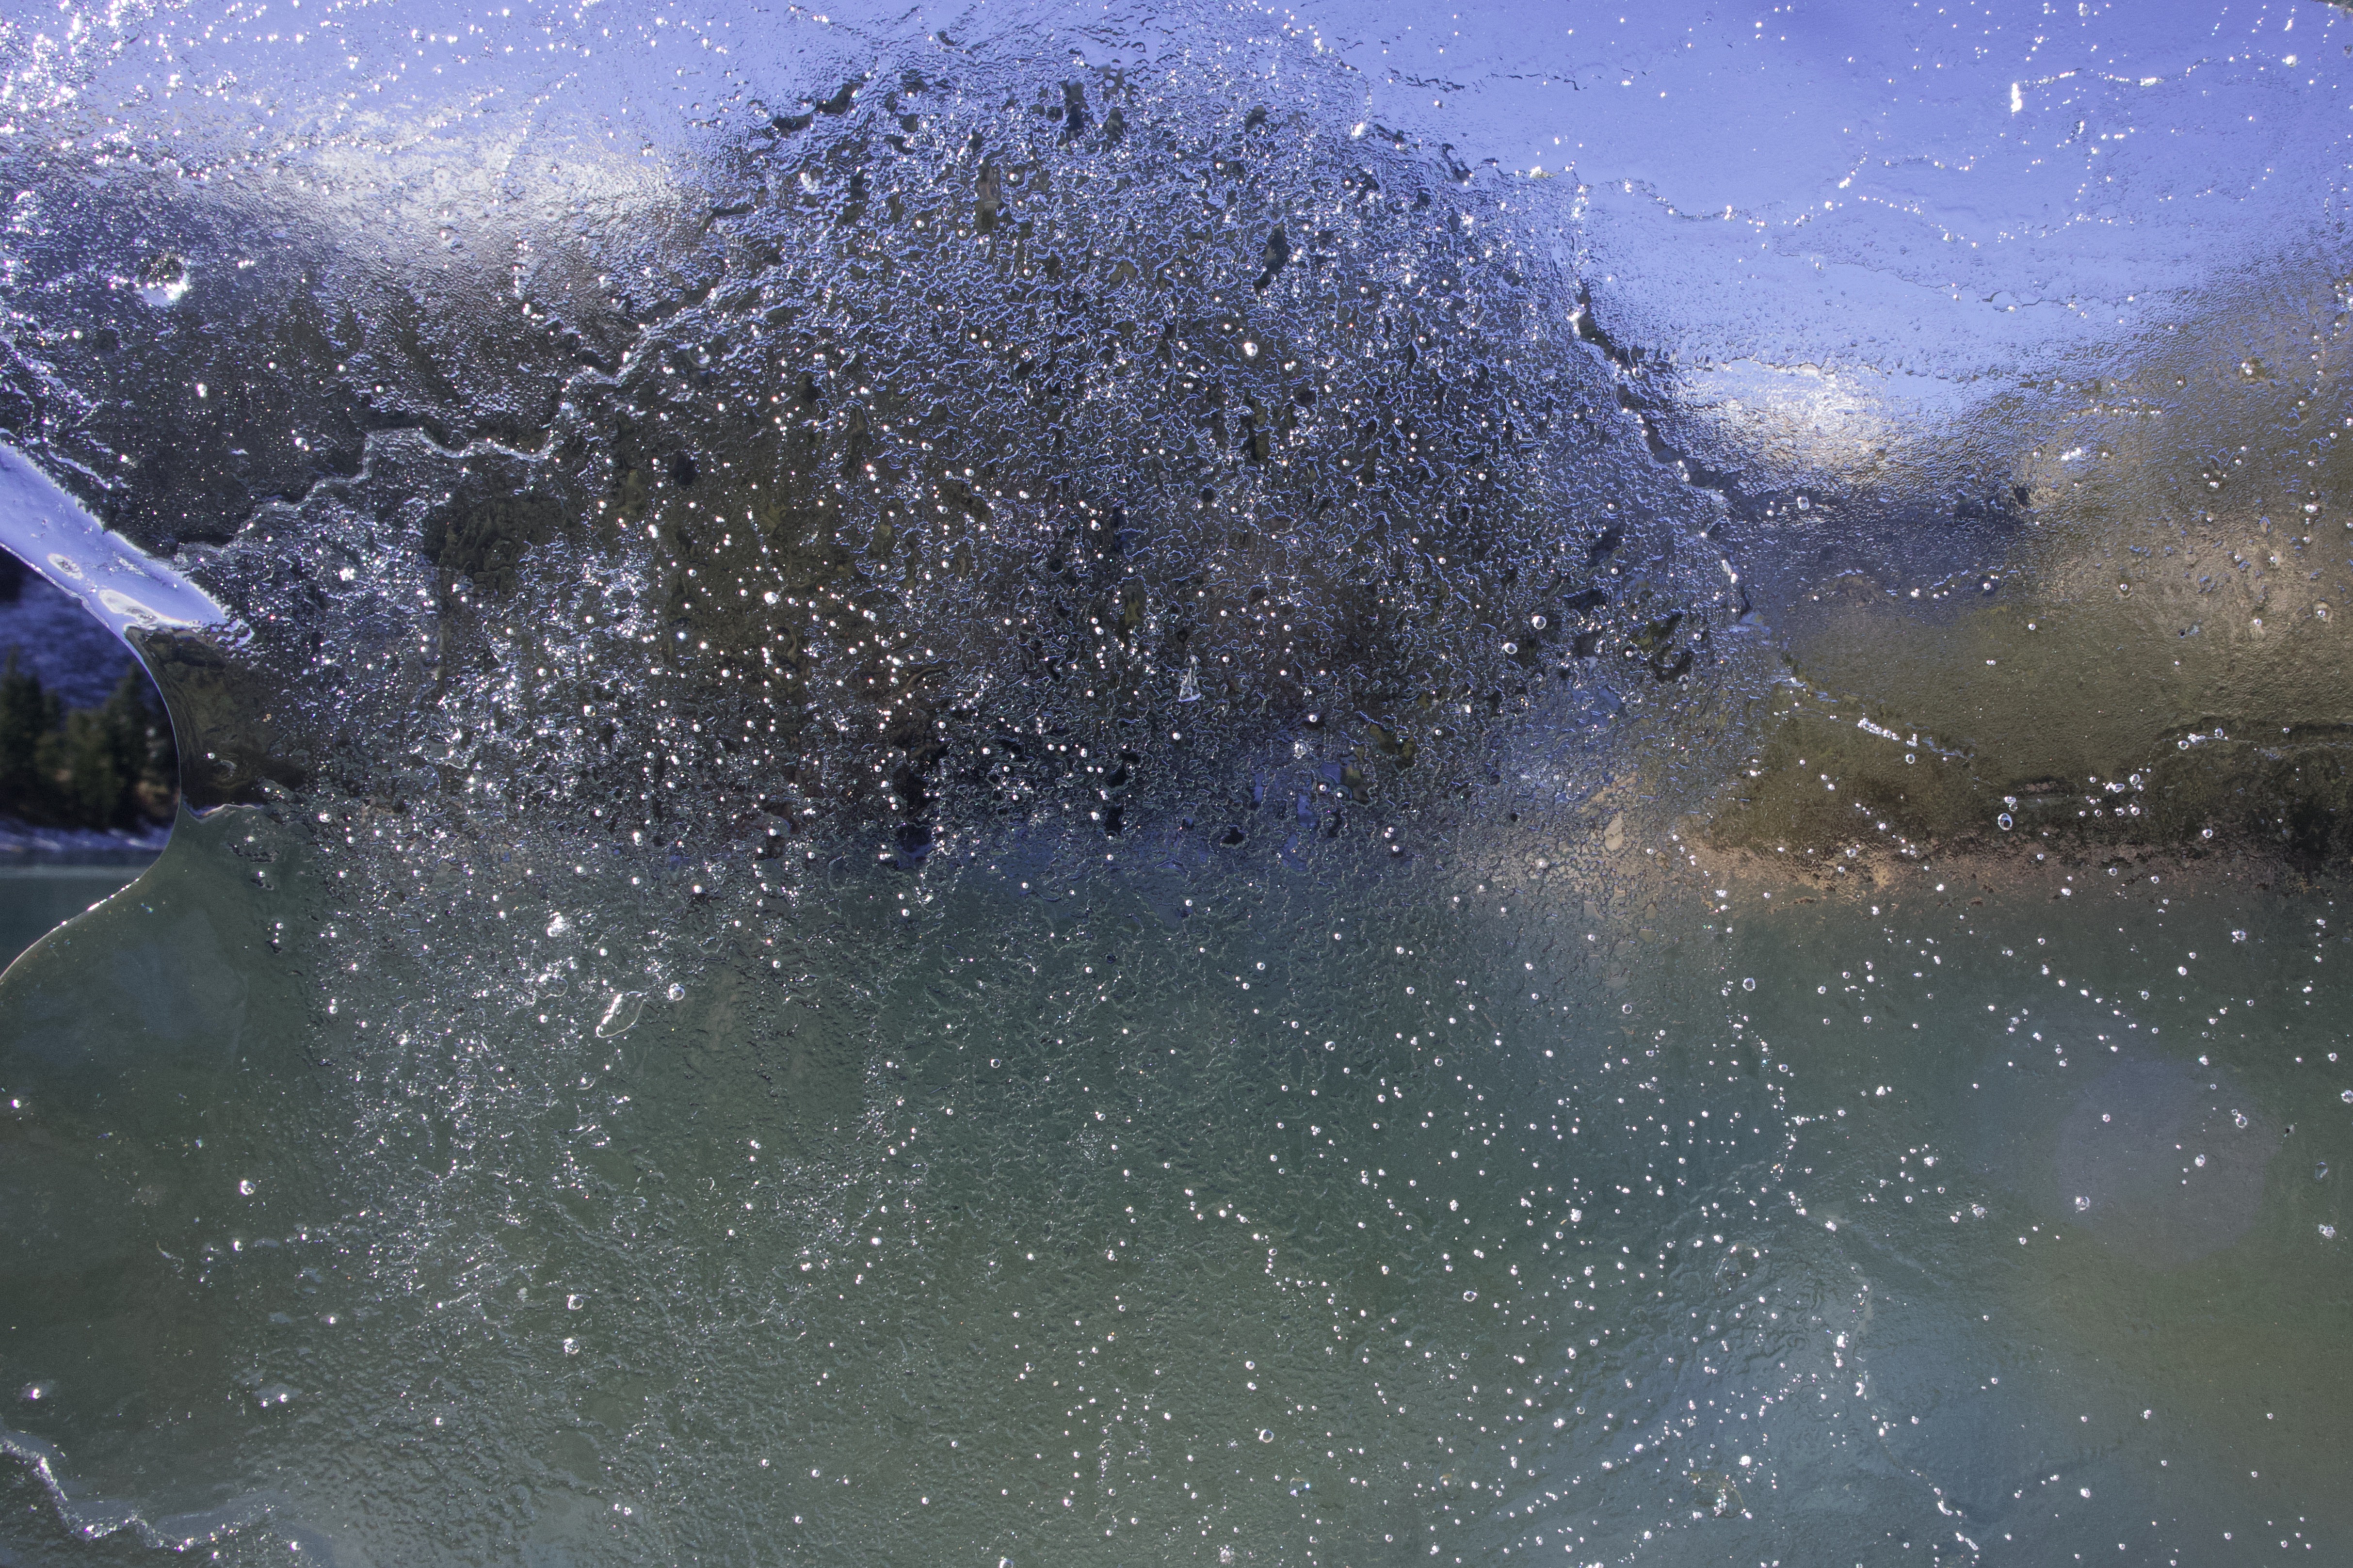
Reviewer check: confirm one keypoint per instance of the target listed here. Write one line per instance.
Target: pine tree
(103, 767)
(126, 729)
(95, 792)
(28, 718)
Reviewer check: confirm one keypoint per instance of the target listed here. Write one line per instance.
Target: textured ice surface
(1330, 759)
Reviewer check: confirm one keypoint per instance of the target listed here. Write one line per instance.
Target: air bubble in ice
(163, 280)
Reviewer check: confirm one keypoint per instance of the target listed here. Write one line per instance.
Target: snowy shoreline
(22, 846)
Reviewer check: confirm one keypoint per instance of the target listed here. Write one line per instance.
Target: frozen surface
(1041, 785)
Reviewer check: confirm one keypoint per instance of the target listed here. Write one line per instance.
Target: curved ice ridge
(95, 1518)
(126, 588)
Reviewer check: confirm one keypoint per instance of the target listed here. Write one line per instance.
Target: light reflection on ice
(121, 585)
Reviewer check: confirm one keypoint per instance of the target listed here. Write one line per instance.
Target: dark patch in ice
(485, 539)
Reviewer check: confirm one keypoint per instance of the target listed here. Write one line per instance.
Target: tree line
(112, 766)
